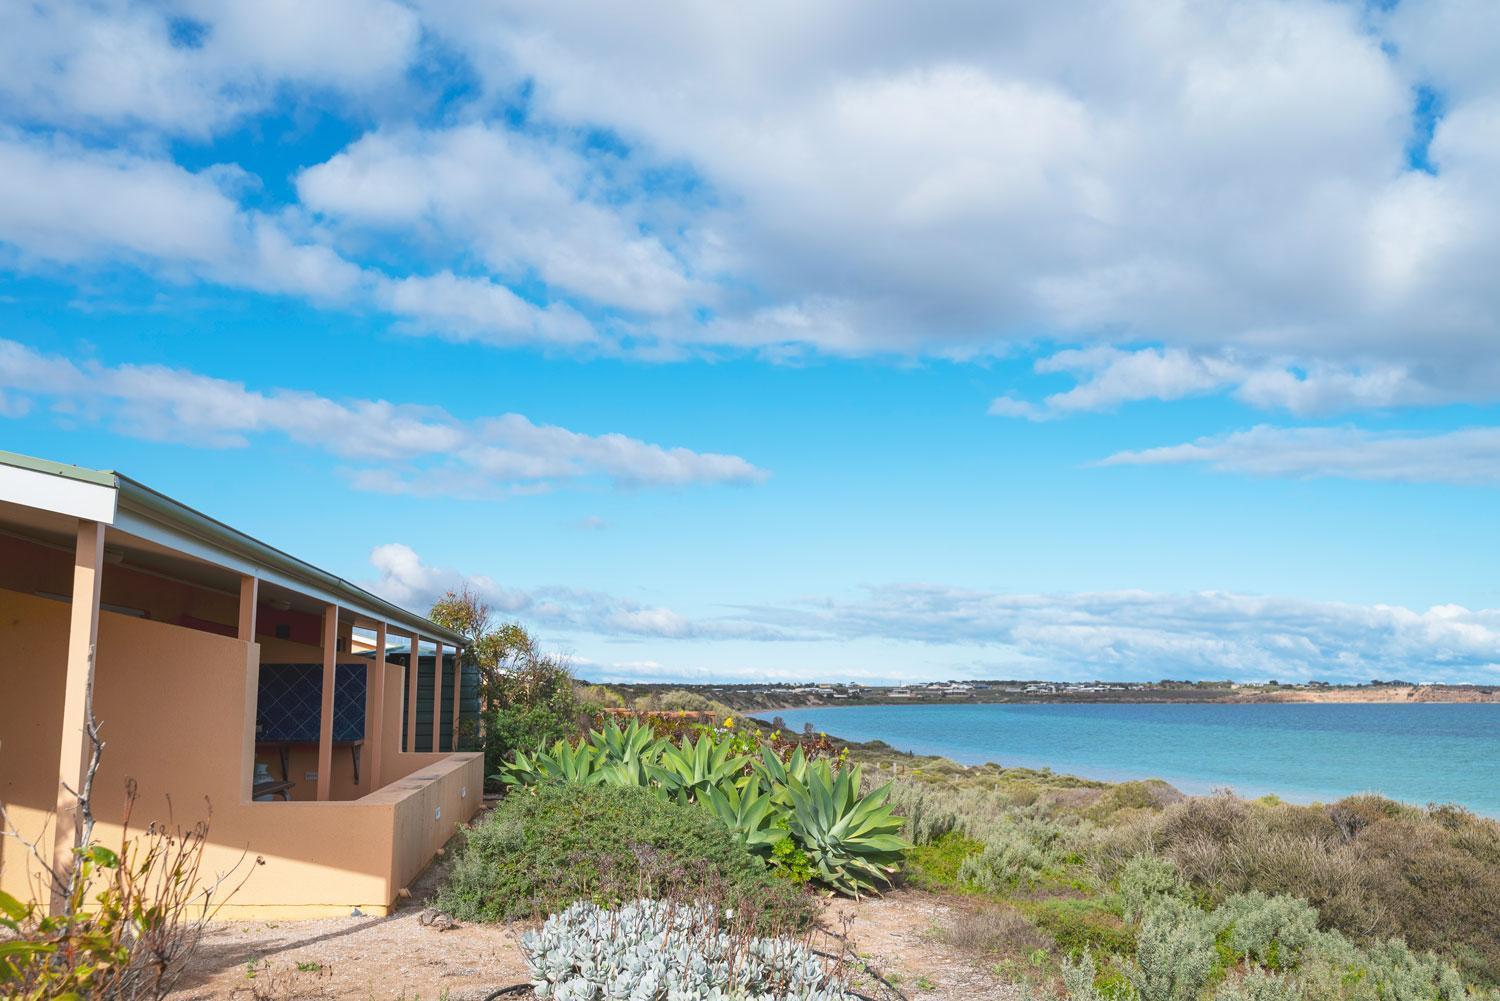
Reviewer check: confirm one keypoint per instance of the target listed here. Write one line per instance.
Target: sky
(864, 341)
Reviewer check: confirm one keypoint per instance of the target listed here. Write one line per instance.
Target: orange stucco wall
(176, 707)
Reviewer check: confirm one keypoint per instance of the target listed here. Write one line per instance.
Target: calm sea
(1299, 751)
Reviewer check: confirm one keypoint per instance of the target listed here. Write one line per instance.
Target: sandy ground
(1392, 693)
(895, 933)
(398, 957)
(365, 958)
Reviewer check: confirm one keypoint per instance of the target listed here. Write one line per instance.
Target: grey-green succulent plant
(651, 950)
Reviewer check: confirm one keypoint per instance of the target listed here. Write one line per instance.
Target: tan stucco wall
(33, 651)
(176, 707)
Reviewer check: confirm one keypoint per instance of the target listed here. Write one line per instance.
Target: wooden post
(249, 595)
(458, 688)
(325, 725)
(412, 663)
(376, 743)
(78, 696)
(437, 697)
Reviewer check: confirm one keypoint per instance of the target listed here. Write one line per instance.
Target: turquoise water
(1300, 751)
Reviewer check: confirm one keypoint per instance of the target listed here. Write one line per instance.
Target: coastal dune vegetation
(1135, 891)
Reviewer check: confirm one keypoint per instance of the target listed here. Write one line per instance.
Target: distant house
(226, 670)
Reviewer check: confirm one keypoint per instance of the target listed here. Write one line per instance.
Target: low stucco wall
(428, 807)
(176, 707)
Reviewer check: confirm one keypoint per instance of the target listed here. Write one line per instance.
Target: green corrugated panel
(468, 703)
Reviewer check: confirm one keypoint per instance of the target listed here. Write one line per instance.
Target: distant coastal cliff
(751, 697)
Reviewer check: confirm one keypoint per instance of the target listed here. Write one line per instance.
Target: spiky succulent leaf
(851, 840)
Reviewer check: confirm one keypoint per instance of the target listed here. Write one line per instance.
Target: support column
(249, 595)
(458, 688)
(412, 663)
(78, 698)
(325, 724)
(376, 743)
(437, 697)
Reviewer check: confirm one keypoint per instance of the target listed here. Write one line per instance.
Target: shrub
(991, 930)
(1174, 954)
(1146, 878)
(651, 949)
(1078, 926)
(1258, 985)
(1017, 852)
(1336, 970)
(1079, 976)
(1276, 931)
(1372, 868)
(847, 838)
(1007, 861)
(534, 705)
(134, 918)
(925, 817)
(541, 850)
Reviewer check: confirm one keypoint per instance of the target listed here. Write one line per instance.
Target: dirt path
(376, 959)
(396, 957)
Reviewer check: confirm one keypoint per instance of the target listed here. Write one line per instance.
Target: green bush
(935, 865)
(1276, 931)
(846, 836)
(541, 850)
(1007, 862)
(535, 705)
(1146, 878)
(926, 814)
(1017, 853)
(1258, 985)
(1174, 954)
(1082, 925)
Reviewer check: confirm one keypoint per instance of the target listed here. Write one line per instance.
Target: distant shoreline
(754, 698)
(1406, 695)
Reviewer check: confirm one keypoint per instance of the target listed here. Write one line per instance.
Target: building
(224, 674)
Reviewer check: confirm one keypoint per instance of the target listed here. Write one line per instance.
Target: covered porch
(182, 632)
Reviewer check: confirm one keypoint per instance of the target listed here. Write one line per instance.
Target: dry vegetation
(1042, 858)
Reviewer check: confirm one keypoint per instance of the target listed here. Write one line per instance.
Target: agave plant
(780, 774)
(749, 813)
(850, 839)
(623, 755)
(564, 765)
(688, 771)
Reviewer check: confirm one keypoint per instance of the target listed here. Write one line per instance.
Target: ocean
(1302, 752)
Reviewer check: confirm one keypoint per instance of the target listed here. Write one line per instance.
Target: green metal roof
(98, 476)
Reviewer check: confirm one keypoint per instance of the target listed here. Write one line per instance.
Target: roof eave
(135, 498)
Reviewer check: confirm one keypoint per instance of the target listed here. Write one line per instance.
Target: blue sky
(852, 343)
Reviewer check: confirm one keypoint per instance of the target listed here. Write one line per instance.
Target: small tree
(526, 697)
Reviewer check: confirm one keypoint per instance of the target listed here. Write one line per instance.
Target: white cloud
(518, 204)
(477, 309)
(1206, 634)
(64, 204)
(396, 447)
(193, 67)
(1470, 456)
(1230, 187)
(403, 577)
(1106, 377)
(1209, 178)
(1121, 634)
